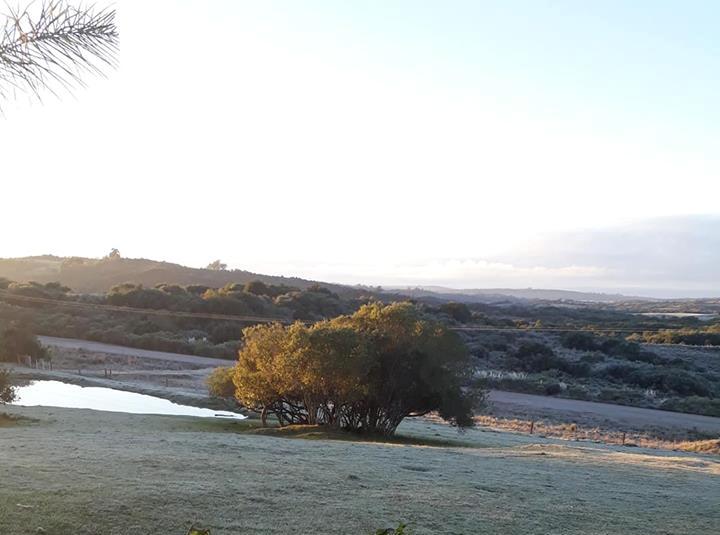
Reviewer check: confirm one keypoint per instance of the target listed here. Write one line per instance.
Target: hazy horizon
(669, 258)
(487, 145)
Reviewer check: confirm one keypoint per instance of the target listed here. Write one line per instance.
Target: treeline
(166, 333)
(253, 298)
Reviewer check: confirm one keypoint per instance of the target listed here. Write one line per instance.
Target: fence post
(532, 426)
(623, 438)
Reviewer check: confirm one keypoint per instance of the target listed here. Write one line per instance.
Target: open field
(86, 472)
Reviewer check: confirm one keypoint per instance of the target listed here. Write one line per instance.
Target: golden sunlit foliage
(365, 372)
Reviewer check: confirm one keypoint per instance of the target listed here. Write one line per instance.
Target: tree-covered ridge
(99, 275)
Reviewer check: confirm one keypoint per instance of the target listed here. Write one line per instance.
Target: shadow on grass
(10, 420)
(317, 432)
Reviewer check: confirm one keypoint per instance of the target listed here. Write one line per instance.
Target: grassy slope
(84, 472)
(93, 276)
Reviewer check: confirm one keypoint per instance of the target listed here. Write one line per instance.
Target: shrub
(457, 311)
(575, 369)
(18, 341)
(618, 372)
(644, 356)
(553, 389)
(620, 348)
(535, 357)
(620, 396)
(220, 383)
(7, 392)
(579, 340)
(528, 349)
(678, 381)
(593, 358)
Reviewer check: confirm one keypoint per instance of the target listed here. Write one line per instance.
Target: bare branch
(53, 44)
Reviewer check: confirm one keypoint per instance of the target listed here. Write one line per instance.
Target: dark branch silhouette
(52, 45)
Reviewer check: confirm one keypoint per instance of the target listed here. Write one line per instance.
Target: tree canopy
(17, 341)
(364, 372)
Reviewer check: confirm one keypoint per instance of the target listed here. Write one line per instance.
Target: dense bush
(18, 341)
(580, 341)
(220, 383)
(663, 379)
(593, 358)
(677, 381)
(621, 396)
(365, 372)
(706, 336)
(616, 347)
(553, 389)
(617, 372)
(532, 349)
(457, 311)
(535, 357)
(7, 392)
(575, 369)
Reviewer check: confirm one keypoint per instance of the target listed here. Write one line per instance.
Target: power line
(269, 319)
(143, 311)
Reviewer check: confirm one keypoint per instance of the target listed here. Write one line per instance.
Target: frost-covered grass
(85, 472)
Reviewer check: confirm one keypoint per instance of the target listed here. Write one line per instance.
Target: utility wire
(10, 297)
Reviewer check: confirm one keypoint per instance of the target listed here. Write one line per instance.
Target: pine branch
(53, 45)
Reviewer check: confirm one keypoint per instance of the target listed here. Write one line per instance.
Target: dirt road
(70, 343)
(619, 415)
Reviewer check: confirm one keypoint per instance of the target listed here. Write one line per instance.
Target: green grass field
(85, 472)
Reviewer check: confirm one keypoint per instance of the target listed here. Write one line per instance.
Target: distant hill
(493, 295)
(92, 275)
(89, 275)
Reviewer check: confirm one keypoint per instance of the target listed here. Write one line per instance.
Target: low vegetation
(7, 392)
(706, 336)
(514, 354)
(605, 368)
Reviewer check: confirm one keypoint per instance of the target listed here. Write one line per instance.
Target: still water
(58, 394)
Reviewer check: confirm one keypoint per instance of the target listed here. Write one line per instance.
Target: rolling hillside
(88, 275)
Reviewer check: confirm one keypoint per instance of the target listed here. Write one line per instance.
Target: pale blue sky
(374, 142)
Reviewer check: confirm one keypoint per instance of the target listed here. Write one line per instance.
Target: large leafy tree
(365, 372)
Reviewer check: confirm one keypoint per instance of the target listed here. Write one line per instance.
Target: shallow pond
(58, 394)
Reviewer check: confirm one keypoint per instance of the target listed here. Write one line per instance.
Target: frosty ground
(85, 472)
